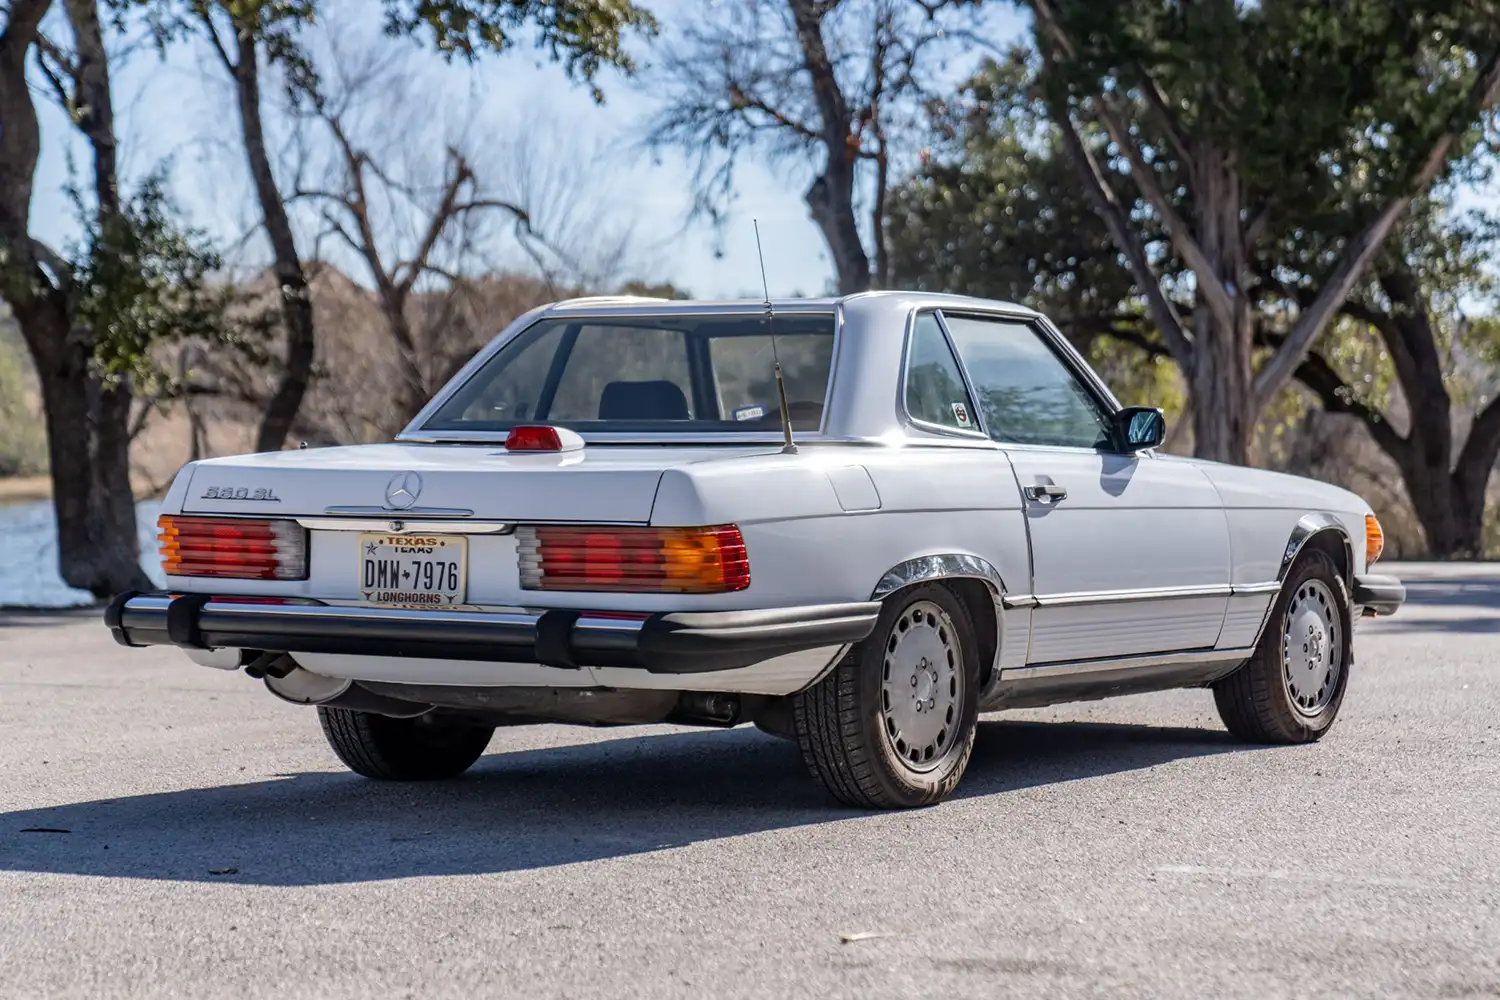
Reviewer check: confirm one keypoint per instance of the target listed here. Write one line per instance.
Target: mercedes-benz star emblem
(402, 491)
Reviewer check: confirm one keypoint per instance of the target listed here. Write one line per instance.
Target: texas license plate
(413, 571)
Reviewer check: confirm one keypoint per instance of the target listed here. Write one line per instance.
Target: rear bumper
(666, 643)
(1380, 595)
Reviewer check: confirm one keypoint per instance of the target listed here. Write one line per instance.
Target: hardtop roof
(630, 305)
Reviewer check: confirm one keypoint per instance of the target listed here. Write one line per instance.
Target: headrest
(655, 400)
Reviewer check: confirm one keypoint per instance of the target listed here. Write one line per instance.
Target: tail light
(637, 560)
(232, 547)
(1374, 539)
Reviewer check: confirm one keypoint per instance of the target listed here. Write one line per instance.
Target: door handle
(1045, 493)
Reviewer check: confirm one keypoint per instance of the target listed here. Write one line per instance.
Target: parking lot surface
(172, 831)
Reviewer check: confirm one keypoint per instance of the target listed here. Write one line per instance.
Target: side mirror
(1139, 427)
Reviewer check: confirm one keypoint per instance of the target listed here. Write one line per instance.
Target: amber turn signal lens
(633, 560)
(1374, 539)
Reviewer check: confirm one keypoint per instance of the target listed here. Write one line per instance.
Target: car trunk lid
(602, 483)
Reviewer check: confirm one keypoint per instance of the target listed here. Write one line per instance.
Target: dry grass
(18, 489)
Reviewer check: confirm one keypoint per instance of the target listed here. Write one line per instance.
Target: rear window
(660, 373)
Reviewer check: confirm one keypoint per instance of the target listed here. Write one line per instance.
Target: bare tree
(242, 36)
(419, 223)
(837, 81)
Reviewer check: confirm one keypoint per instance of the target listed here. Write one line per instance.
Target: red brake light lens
(533, 439)
(232, 547)
(634, 560)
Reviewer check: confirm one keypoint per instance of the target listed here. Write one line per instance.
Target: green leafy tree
(1234, 120)
(1416, 362)
(996, 211)
(90, 315)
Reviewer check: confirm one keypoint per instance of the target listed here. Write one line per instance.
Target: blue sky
(181, 110)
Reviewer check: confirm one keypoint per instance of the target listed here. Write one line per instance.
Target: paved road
(213, 847)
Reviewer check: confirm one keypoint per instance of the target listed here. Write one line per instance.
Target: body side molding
(1041, 684)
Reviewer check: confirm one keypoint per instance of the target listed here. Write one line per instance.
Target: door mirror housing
(1139, 427)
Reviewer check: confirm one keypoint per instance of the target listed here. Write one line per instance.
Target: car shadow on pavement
(527, 809)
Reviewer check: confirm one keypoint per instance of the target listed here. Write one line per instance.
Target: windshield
(656, 373)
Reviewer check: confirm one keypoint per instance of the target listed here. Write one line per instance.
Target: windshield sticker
(961, 414)
(754, 412)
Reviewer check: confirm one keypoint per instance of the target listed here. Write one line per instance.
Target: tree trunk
(830, 199)
(296, 301)
(1449, 531)
(1447, 495)
(1223, 406)
(1221, 380)
(88, 437)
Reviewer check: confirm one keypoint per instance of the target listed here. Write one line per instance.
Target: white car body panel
(1107, 537)
(1149, 560)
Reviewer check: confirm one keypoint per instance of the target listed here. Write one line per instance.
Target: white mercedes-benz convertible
(855, 522)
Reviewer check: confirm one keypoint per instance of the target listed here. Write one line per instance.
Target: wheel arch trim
(1308, 527)
(941, 566)
(966, 566)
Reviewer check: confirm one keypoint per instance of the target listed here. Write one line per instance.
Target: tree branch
(1209, 282)
(1337, 396)
(53, 261)
(742, 101)
(1363, 247)
(211, 32)
(441, 216)
(1117, 221)
(1476, 460)
(1157, 100)
(1255, 228)
(64, 99)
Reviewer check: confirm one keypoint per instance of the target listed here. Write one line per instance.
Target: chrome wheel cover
(922, 687)
(1312, 648)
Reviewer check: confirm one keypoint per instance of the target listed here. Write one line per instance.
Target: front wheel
(893, 725)
(1291, 689)
(426, 748)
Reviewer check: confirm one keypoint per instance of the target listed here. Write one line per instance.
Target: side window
(625, 373)
(1029, 396)
(935, 392)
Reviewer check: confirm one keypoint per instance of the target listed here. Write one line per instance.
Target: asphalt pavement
(172, 831)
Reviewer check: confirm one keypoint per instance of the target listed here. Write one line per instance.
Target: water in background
(28, 555)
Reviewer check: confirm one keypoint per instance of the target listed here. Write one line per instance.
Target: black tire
(427, 748)
(841, 721)
(1256, 701)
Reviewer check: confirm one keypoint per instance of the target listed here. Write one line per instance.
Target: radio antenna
(789, 448)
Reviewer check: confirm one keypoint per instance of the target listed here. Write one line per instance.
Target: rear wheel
(1291, 690)
(426, 748)
(893, 725)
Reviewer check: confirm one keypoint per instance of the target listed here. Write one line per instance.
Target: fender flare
(960, 566)
(1307, 527)
(943, 565)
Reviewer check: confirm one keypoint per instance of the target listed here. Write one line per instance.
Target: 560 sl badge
(263, 494)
